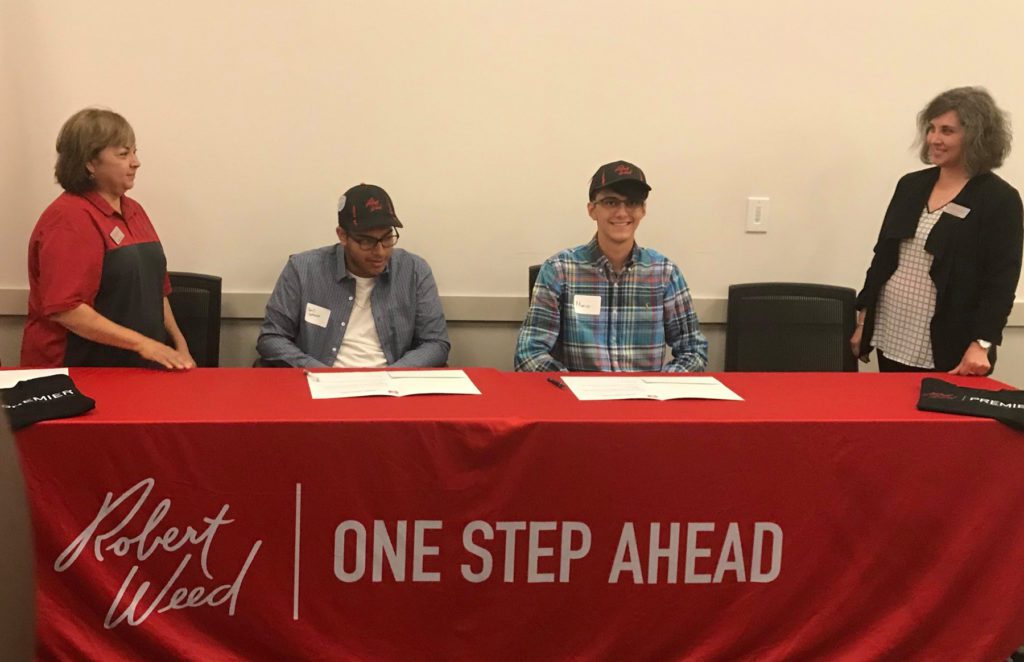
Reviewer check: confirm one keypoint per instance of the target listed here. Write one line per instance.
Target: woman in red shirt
(98, 281)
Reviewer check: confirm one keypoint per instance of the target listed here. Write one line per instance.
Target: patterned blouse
(906, 304)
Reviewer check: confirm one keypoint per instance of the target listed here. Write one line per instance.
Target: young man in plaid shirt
(611, 305)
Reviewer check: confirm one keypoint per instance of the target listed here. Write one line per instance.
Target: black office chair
(790, 327)
(534, 270)
(195, 302)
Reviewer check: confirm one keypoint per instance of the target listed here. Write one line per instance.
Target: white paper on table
(423, 382)
(9, 378)
(323, 385)
(649, 388)
(606, 388)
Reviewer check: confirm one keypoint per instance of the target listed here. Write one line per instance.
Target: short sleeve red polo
(65, 264)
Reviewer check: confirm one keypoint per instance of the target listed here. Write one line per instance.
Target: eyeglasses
(368, 243)
(611, 204)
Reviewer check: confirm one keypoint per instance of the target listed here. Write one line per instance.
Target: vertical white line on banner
(295, 576)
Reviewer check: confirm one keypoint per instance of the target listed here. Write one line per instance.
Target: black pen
(556, 382)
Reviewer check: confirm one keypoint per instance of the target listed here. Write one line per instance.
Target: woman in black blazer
(944, 274)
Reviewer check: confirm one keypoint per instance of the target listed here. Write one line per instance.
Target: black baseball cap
(366, 207)
(620, 175)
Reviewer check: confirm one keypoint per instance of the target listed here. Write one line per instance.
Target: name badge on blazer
(584, 304)
(957, 210)
(317, 315)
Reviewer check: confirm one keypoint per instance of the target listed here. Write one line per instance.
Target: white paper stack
(648, 388)
(323, 385)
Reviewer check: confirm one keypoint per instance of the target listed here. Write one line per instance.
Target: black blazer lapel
(904, 217)
(943, 235)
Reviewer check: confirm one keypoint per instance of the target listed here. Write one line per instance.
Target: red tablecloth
(223, 514)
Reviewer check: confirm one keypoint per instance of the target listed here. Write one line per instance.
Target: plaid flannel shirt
(640, 310)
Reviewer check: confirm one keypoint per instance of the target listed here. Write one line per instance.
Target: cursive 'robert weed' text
(103, 535)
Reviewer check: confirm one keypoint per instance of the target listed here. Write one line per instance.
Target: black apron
(131, 294)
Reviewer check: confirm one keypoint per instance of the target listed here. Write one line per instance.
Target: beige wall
(10, 339)
(484, 120)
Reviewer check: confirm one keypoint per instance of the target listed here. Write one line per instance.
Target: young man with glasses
(360, 303)
(611, 305)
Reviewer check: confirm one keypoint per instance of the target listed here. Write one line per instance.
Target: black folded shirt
(1005, 406)
(42, 399)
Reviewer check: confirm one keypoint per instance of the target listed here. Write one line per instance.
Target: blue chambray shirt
(643, 309)
(406, 311)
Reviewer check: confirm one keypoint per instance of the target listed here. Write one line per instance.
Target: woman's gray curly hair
(987, 133)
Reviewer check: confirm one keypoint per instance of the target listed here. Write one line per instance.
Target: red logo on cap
(373, 204)
(623, 170)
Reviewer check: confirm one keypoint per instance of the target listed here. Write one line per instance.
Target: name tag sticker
(584, 304)
(317, 315)
(957, 210)
(117, 235)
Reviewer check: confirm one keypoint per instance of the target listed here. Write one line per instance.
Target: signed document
(323, 385)
(648, 388)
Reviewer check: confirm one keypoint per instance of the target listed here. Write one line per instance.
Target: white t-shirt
(360, 348)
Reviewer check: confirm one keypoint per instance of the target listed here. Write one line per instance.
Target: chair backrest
(790, 327)
(534, 270)
(195, 302)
